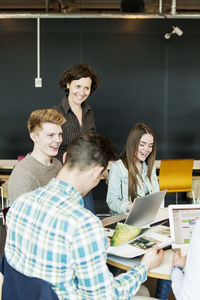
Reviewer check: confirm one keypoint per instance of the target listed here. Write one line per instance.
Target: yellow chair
(176, 175)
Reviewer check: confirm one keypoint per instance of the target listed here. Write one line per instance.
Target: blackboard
(144, 78)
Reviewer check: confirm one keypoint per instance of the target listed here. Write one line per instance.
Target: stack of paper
(133, 241)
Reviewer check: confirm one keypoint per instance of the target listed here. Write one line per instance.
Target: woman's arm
(117, 195)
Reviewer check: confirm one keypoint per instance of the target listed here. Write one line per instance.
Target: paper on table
(125, 233)
(126, 250)
(156, 235)
(109, 232)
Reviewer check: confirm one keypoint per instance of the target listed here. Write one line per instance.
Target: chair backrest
(20, 287)
(20, 157)
(2, 194)
(4, 212)
(176, 175)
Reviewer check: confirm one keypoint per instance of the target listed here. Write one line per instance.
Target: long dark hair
(128, 156)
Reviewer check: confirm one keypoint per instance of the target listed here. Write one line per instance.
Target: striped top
(52, 236)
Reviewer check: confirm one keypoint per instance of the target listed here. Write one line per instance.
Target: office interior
(144, 76)
(148, 72)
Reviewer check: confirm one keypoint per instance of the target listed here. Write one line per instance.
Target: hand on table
(153, 257)
(178, 260)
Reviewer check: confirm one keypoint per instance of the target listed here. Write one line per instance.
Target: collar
(66, 107)
(66, 189)
(144, 166)
(144, 170)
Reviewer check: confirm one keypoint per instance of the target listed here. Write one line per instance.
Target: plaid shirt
(52, 236)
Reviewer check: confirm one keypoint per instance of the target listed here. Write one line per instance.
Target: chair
(2, 195)
(4, 209)
(20, 287)
(176, 175)
(20, 157)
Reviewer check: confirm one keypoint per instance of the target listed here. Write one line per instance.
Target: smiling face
(47, 140)
(145, 147)
(79, 90)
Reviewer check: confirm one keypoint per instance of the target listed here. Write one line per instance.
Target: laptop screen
(144, 209)
(182, 220)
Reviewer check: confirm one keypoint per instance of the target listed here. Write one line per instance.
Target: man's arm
(93, 276)
(20, 182)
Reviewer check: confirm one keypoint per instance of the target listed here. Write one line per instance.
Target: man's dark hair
(87, 150)
(77, 72)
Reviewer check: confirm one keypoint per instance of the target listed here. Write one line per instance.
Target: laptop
(182, 219)
(144, 209)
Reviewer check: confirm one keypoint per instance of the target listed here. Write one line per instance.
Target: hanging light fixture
(176, 30)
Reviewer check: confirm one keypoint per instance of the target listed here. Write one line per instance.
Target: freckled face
(145, 147)
(79, 90)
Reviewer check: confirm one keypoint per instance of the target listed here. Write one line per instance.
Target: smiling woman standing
(78, 82)
(134, 174)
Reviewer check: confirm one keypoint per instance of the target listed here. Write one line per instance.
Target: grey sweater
(29, 174)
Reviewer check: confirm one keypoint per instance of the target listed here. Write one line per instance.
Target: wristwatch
(177, 267)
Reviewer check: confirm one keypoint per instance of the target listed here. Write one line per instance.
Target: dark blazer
(17, 286)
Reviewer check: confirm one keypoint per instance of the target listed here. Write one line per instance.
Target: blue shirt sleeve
(94, 280)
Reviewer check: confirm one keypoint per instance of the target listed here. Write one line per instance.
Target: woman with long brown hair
(134, 174)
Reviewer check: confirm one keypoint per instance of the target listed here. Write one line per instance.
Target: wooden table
(10, 163)
(7, 164)
(161, 272)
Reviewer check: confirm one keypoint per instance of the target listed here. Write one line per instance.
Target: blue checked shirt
(51, 235)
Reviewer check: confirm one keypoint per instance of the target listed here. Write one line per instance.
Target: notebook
(182, 219)
(145, 208)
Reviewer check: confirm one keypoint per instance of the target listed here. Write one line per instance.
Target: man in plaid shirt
(51, 236)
